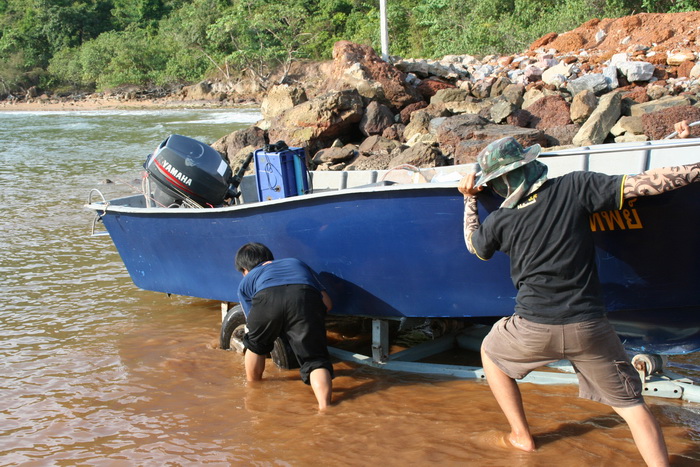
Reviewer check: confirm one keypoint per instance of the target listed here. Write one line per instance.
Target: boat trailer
(657, 381)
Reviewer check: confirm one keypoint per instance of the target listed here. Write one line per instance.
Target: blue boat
(389, 244)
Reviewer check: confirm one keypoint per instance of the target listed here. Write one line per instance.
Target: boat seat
(376, 184)
(328, 180)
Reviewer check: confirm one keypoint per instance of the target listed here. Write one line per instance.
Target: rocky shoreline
(628, 80)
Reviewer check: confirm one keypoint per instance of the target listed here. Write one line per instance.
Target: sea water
(94, 371)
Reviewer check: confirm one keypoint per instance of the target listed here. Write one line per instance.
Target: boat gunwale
(109, 207)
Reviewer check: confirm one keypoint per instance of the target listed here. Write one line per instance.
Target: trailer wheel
(233, 319)
(231, 334)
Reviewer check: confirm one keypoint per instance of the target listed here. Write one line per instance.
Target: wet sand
(114, 103)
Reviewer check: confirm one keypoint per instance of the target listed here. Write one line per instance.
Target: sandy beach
(114, 103)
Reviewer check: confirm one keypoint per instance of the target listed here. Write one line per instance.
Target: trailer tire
(282, 354)
(234, 318)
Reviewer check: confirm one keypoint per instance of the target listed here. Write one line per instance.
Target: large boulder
(601, 121)
(582, 106)
(377, 118)
(236, 146)
(316, 123)
(360, 67)
(467, 150)
(420, 155)
(280, 98)
(198, 91)
(549, 112)
(455, 129)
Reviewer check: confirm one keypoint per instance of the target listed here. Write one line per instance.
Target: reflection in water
(97, 372)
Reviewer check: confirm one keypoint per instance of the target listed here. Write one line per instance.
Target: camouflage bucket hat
(503, 156)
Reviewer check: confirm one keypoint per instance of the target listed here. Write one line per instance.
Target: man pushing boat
(543, 226)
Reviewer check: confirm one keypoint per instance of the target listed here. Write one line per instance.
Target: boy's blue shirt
(286, 271)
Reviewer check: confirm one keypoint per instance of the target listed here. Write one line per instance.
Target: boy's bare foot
(524, 443)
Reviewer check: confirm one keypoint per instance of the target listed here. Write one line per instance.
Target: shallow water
(97, 372)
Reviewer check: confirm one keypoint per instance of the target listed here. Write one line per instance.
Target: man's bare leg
(646, 433)
(507, 394)
(322, 384)
(254, 366)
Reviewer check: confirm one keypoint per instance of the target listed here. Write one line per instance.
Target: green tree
(258, 36)
(186, 28)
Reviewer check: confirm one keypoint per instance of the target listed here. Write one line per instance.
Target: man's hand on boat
(466, 185)
(682, 128)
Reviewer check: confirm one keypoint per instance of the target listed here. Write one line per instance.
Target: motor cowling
(185, 168)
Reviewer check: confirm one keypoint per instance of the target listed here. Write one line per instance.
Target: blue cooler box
(281, 174)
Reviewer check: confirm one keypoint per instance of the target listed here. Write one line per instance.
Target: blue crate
(281, 174)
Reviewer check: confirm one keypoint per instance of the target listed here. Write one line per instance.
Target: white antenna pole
(384, 30)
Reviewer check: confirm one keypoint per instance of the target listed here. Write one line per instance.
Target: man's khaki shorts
(518, 346)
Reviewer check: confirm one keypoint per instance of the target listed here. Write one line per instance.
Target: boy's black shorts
(296, 311)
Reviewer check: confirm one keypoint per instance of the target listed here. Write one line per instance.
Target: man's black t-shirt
(550, 244)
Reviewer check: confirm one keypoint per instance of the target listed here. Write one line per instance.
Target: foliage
(105, 43)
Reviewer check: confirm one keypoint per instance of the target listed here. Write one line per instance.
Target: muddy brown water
(94, 371)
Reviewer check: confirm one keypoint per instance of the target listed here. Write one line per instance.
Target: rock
(499, 86)
(519, 118)
(631, 138)
(395, 132)
(280, 98)
(466, 150)
(420, 155)
(636, 71)
(532, 74)
(628, 125)
(665, 103)
(372, 71)
(316, 123)
(449, 95)
(458, 101)
(199, 91)
(430, 86)
(561, 135)
(657, 91)
(598, 125)
(561, 69)
(459, 128)
(677, 58)
(694, 72)
(595, 82)
(501, 109)
(685, 69)
(377, 145)
(532, 95)
(334, 155)
(482, 88)
(406, 112)
(513, 93)
(583, 105)
(236, 146)
(376, 119)
(610, 75)
(549, 112)
(420, 124)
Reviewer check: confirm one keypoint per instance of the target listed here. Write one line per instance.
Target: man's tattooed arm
(657, 181)
(471, 221)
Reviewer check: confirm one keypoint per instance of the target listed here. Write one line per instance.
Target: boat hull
(395, 252)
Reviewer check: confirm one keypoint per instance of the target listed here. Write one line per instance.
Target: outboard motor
(186, 169)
